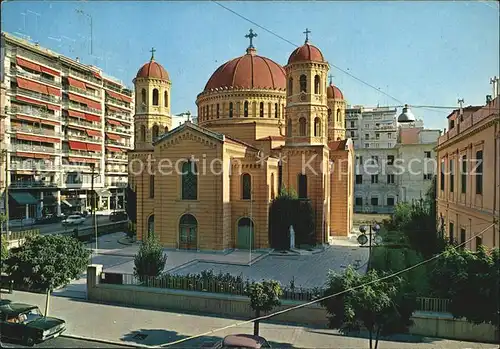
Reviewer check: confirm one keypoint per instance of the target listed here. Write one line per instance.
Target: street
(58, 227)
(63, 342)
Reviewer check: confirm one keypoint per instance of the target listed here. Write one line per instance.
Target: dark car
(118, 216)
(48, 219)
(25, 322)
(242, 341)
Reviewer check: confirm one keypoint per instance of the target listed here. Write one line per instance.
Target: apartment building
(468, 192)
(65, 122)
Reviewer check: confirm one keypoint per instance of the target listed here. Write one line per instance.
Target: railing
(87, 154)
(113, 142)
(437, 305)
(35, 130)
(87, 77)
(48, 98)
(35, 57)
(117, 102)
(117, 157)
(83, 92)
(118, 184)
(18, 235)
(32, 112)
(120, 117)
(374, 209)
(84, 137)
(31, 148)
(123, 91)
(67, 103)
(82, 123)
(33, 184)
(27, 165)
(35, 77)
(118, 130)
(120, 171)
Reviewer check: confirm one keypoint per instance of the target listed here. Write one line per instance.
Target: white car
(73, 220)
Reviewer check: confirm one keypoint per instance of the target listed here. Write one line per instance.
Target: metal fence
(18, 235)
(438, 305)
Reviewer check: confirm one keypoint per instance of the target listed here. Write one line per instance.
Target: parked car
(242, 341)
(25, 322)
(73, 220)
(48, 219)
(118, 216)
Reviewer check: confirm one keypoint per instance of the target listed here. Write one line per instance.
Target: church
(208, 185)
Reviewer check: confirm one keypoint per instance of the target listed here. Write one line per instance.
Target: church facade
(208, 186)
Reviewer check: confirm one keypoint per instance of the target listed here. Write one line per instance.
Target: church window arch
(230, 109)
(329, 115)
(218, 109)
(165, 99)
(143, 133)
(302, 186)
(143, 96)
(189, 183)
(166, 129)
(289, 128)
(155, 96)
(303, 83)
(302, 127)
(338, 114)
(276, 110)
(261, 109)
(245, 109)
(317, 127)
(156, 132)
(246, 186)
(317, 84)
(290, 86)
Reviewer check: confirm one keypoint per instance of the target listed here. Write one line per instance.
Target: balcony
(33, 148)
(83, 137)
(87, 154)
(118, 184)
(31, 94)
(70, 104)
(80, 167)
(39, 59)
(116, 171)
(33, 184)
(118, 103)
(113, 87)
(83, 92)
(30, 111)
(380, 128)
(119, 144)
(116, 158)
(34, 76)
(29, 165)
(120, 117)
(121, 130)
(86, 77)
(35, 130)
(73, 121)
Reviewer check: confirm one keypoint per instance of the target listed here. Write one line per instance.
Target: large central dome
(249, 71)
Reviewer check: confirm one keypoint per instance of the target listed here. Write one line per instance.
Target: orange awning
(113, 136)
(77, 83)
(95, 105)
(110, 107)
(29, 100)
(54, 91)
(27, 118)
(74, 159)
(48, 122)
(113, 122)
(114, 95)
(77, 128)
(92, 118)
(113, 149)
(78, 99)
(76, 114)
(33, 155)
(53, 107)
(97, 75)
(94, 147)
(28, 64)
(36, 138)
(74, 145)
(49, 71)
(94, 133)
(32, 86)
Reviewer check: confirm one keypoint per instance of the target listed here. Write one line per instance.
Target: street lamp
(372, 237)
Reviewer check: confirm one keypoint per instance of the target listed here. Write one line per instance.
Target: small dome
(406, 115)
(247, 72)
(152, 69)
(306, 52)
(333, 92)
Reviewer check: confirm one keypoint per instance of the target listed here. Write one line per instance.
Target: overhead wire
(386, 277)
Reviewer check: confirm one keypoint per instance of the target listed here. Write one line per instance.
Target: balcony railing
(84, 92)
(118, 130)
(87, 154)
(120, 117)
(47, 98)
(35, 57)
(84, 137)
(112, 87)
(117, 102)
(113, 142)
(77, 167)
(67, 103)
(87, 77)
(36, 77)
(116, 157)
(35, 130)
(118, 184)
(32, 148)
(73, 121)
(32, 112)
(32, 184)
(28, 165)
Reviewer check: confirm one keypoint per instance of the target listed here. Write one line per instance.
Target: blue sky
(421, 53)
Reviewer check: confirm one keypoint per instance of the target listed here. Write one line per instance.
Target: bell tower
(152, 107)
(336, 113)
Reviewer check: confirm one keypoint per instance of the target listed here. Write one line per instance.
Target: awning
(49, 71)
(36, 138)
(29, 100)
(93, 133)
(92, 118)
(94, 147)
(77, 128)
(54, 91)
(74, 145)
(76, 114)
(113, 122)
(28, 64)
(23, 198)
(33, 155)
(32, 86)
(114, 95)
(113, 136)
(114, 150)
(95, 105)
(29, 118)
(77, 83)
(97, 75)
(79, 160)
(103, 192)
(78, 99)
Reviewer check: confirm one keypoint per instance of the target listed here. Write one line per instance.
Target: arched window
(302, 127)
(317, 127)
(245, 109)
(156, 132)
(261, 109)
(155, 96)
(289, 128)
(218, 109)
(276, 110)
(165, 99)
(246, 186)
(338, 114)
(272, 187)
(230, 109)
(303, 83)
(143, 96)
(143, 133)
(302, 185)
(290, 86)
(329, 115)
(316, 84)
(338, 138)
(166, 129)
(189, 181)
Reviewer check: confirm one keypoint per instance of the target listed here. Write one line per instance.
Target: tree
(380, 306)
(471, 281)
(46, 262)
(264, 296)
(5, 250)
(149, 262)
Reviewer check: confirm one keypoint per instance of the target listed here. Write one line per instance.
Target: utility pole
(91, 28)
(6, 192)
(92, 205)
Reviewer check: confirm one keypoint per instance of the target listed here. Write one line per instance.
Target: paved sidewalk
(124, 324)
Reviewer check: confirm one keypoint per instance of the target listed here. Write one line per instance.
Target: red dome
(306, 52)
(153, 70)
(334, 92)
(247, 72)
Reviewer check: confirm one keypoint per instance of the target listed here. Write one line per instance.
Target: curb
(104, 341)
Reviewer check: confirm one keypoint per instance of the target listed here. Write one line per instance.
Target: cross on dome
(152, 53)
(250, 36)
(331, 78)
(307, 32)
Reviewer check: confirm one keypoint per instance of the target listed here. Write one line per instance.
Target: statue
(292, 237)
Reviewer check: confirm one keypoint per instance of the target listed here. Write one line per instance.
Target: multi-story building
(393, 160)
(468, 184)
(66, 122)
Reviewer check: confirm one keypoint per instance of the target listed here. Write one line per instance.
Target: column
(27, 214)
(40, 211)
(58, 202)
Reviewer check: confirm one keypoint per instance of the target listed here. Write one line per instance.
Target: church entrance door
(188, 232)
(245, 235)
